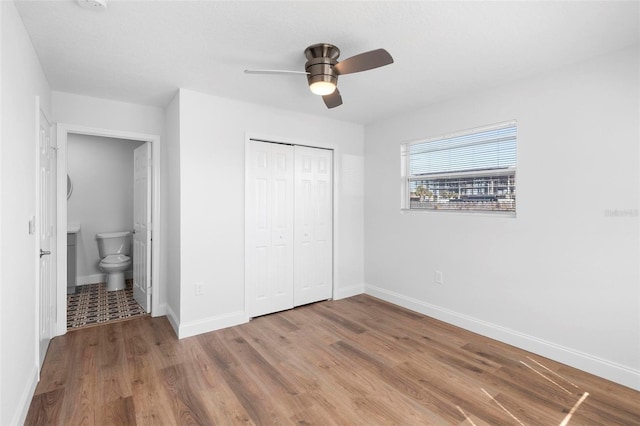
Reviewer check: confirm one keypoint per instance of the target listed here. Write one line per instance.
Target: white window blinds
(473, 170)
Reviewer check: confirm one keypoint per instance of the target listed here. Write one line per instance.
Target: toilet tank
(114, 243)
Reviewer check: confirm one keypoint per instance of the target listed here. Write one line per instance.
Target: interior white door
(313, 275)
(268, 228)
(46, 218)
(142, 226)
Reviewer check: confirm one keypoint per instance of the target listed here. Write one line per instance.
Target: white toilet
(114, 249)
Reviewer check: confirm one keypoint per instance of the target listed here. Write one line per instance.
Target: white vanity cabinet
(72, 271)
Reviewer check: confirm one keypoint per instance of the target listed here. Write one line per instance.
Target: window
(474, 170)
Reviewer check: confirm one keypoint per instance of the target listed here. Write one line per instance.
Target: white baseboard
(173, 320)
(91, 279)
(343, 293)
(22, 409)
(206, 325)
(600, 367)
(160, 311)
(99, 278)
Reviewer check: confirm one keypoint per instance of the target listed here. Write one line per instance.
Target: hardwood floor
(357, 361)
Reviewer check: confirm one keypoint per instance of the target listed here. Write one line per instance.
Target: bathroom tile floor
(92, 304)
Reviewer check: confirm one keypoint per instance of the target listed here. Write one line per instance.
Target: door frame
(248, 137)
(62, 132)
(35, 229)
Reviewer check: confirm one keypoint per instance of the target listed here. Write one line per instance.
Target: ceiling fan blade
(364, 61)
(333, 100)
(274, 72)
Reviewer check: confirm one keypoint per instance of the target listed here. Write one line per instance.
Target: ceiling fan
(322, 69)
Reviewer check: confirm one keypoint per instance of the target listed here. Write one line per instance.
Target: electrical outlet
(199, 289)
(438, 277)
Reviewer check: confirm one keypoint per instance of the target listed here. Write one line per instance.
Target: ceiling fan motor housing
(320, 61)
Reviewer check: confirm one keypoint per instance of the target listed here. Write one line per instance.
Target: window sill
(460, 212)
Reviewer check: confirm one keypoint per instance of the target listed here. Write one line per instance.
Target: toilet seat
(115, 258)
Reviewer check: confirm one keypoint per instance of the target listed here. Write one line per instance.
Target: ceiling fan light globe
(322, 88)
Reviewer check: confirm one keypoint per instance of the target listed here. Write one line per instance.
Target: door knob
(44, 252)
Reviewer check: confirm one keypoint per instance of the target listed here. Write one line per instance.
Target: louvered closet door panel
(313, 273)
(269, 228)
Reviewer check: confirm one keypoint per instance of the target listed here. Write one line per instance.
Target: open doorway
(68, 138)
(100, 221)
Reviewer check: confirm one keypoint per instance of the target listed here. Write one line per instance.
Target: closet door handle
(44, 252)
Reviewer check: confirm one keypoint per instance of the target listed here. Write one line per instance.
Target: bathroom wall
(101, 170)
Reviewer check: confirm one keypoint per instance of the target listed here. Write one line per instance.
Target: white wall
(82, 110)
(560, 279)
(171, 230)
(101, 170)
(22, 80)
(1, 204)
(114, 115)
(212, 138)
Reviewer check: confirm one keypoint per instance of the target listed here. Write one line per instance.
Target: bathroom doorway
(100, 166)
(101, 172)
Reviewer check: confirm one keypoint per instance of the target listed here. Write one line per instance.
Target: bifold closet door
(313, 224)
(288, 227)
(269, 211)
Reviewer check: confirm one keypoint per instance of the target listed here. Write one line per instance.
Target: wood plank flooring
(357, 361)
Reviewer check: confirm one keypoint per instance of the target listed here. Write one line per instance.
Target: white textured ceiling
(143, 51)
